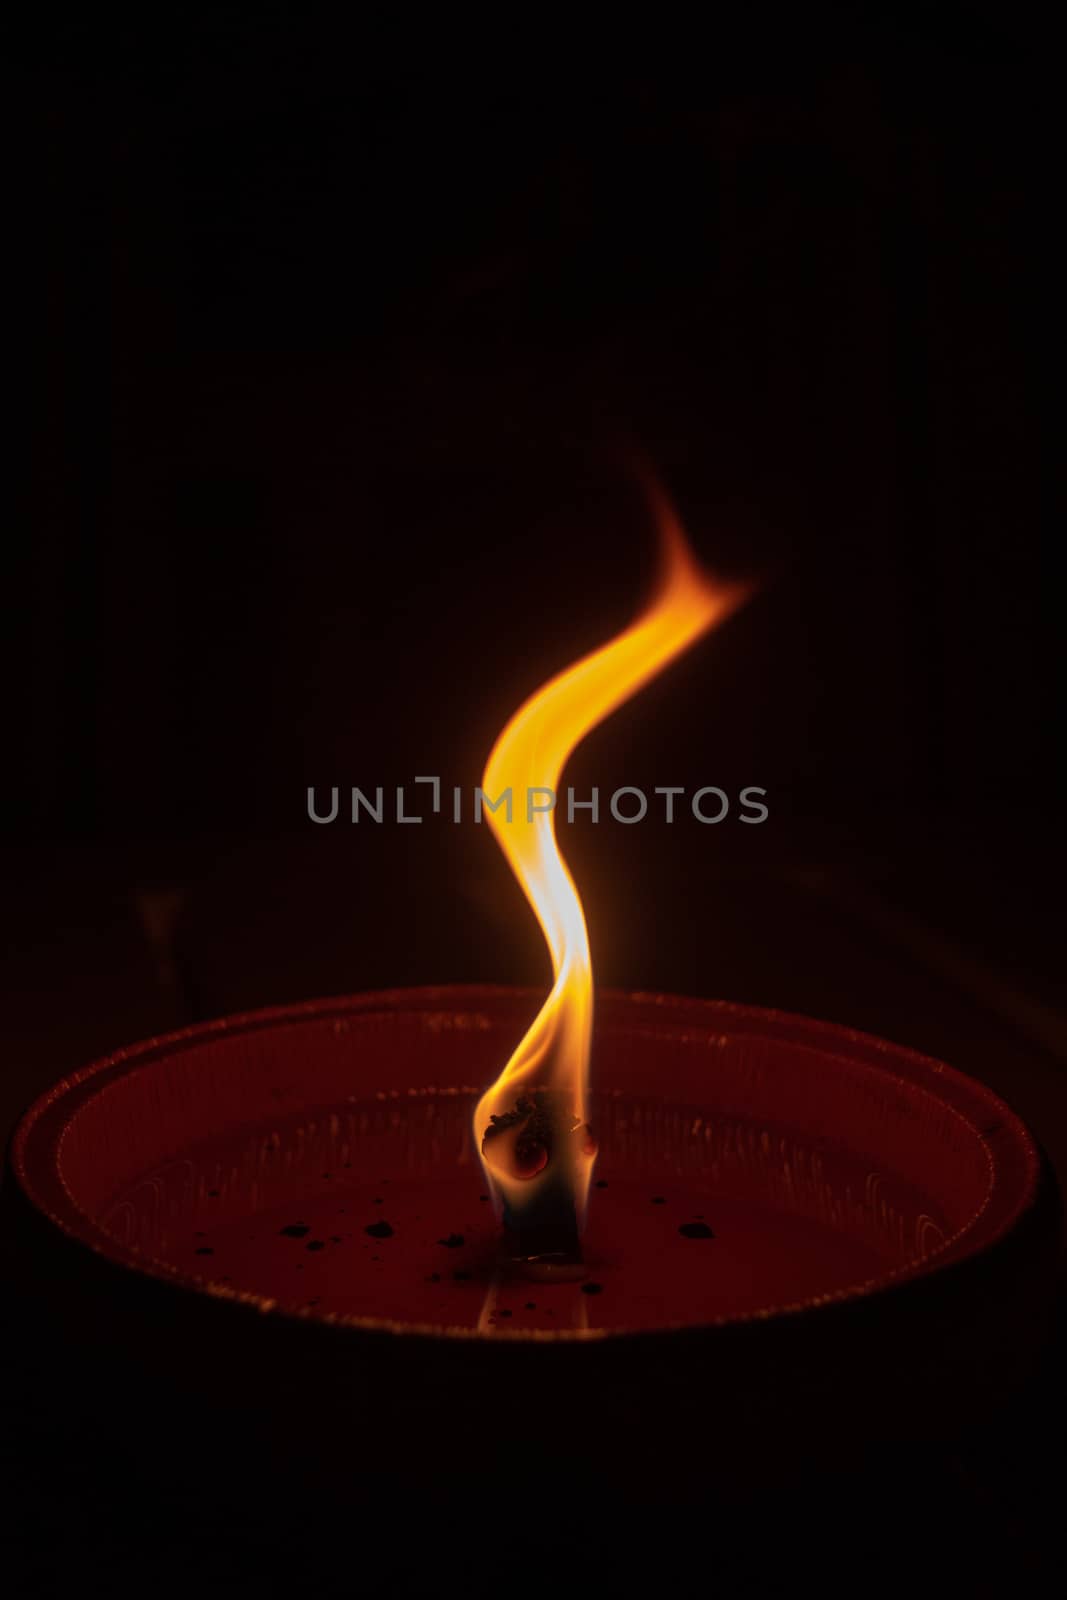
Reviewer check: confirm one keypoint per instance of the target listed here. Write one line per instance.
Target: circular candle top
(317, 1162)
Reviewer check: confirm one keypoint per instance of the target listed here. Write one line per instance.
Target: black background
(334, 350)
(339, 342)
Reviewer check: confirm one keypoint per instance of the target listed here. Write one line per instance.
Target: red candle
(799, 1210)
(317, 1163)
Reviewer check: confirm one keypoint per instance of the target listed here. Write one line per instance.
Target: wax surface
(380, 1212)
(320, 1161)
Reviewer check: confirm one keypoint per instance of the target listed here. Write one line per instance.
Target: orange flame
(532, 1125)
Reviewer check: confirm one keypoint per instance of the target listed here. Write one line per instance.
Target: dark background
(338, 345)
(339, 341)
(329, 351)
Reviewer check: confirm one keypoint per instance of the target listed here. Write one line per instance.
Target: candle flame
(532, 1125)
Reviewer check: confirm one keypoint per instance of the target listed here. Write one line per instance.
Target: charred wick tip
(540, 1137)
(521, 1141)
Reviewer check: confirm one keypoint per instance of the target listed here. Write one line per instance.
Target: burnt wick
(520, 1143)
